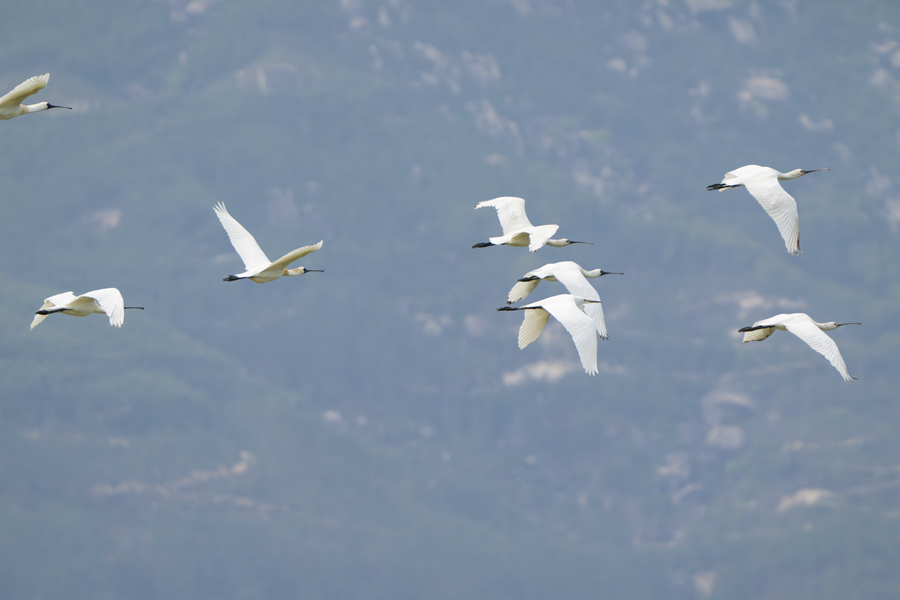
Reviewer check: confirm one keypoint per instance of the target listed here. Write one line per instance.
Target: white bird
(107, 301)
(762, 183)
(801, 325)
(571, 275)
(568, 310)
(259, 268)
(11, 104)
(517, 229)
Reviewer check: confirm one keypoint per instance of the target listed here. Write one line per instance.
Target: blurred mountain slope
(390, 427)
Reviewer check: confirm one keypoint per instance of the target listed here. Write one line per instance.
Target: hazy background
(374, 431)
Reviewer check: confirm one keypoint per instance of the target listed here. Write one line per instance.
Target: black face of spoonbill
(313, 270)
(570, 242)
(49, 106)
(482, 245)
(804, 172)
(836, 325)
(602, 273)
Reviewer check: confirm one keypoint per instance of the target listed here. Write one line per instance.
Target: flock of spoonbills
(580, 311)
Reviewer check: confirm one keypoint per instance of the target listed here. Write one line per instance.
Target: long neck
(797, 173)
(32, 108)
(832, 325)
(597, 273)
(564, 242)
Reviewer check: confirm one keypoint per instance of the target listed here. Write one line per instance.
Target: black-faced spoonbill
(11, 104)
(259, 268)
(107, 301)
(762, 183)
(517, 229)
(801, 325)
(567, 309)
(571, 275)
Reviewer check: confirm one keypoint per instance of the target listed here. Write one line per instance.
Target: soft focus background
(374, 431)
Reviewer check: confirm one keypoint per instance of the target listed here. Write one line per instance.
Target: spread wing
(569, 274)
(511, 212)
(579, 325)
(539, 235)
(52, 302)
(29, 87)
(299, 253)
(819, 341)
(781, 206)
(112, 303)
(757, 335)
(521, 290)
(533, 325)
(245, 244)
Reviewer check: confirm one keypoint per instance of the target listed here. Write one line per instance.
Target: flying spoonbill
(568, 310)
(107, 301)
(571, 275)
(801, 325)
(259, 268)
(11, 104)
(762, 183)
(517, 229)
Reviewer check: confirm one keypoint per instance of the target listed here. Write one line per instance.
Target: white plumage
(567, 309)
(517, 229)
(762, 183)
(11, 104)
(801, 325)
(107, 301)
(571, 275)
(258, 267)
